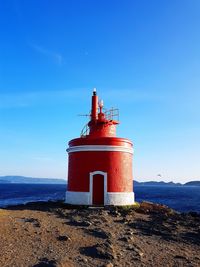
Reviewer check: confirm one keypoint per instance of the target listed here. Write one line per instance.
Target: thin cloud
(42, 158)
(115, 96)
(26, 99)
(54, 56)
(132, 95)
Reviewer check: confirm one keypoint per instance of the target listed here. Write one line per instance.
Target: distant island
(161, 183)
(193, 183)
(31, 180)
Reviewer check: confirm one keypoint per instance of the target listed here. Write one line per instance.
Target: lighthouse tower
(100, 164)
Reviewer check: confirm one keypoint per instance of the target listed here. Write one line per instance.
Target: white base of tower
(111, 198)
(120, 198)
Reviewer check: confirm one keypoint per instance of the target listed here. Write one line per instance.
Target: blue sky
(142, 56)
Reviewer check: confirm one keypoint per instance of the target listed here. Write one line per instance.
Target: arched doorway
(98, 188)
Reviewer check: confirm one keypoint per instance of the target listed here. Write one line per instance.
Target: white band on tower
(100, 148)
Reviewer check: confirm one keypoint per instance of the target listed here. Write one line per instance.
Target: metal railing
(112, 114)
(85, 131)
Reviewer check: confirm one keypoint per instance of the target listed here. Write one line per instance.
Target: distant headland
(161, 183)
(29, 180)
(12, 179)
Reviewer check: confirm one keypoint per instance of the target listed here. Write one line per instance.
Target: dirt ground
(53, 234)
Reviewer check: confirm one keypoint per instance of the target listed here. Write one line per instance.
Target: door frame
(91, 185)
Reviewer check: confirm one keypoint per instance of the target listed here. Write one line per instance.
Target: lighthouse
(99, 162)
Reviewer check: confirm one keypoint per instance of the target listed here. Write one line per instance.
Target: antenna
(101, 103)
(83, 115)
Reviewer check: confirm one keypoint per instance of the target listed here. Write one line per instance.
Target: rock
(77, 222)
(194, 214)
(149, 207)
(101, 251)
(46, 262)
(140, 253)
(85, 260)
(126, 238)
(104, 213)
(86, 223)
(130, 232)
(109, 265)
(115, 213)
(65, 263)
(136, 250)
(64, 238)
(101, 233)
(130, 238)
(180, 257)
(37, 224)
(34, 221)
(106, 251)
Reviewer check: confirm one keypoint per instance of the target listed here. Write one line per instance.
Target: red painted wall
(113, 141)
(118, 166)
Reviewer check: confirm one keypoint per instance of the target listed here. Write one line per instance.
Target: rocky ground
(53, 234)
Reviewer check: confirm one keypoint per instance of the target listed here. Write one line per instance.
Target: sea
(180, 198)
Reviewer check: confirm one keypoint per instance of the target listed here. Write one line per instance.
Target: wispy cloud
(133, 95)
(113, 96)
(54, 56)
(26, 99)
(42, 158)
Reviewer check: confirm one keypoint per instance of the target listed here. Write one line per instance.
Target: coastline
(182, 199)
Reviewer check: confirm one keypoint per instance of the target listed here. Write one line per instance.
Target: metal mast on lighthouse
(101, 123)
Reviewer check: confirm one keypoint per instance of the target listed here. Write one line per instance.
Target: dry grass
(3, 212)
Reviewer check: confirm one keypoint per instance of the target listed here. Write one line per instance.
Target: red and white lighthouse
(100, 164)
